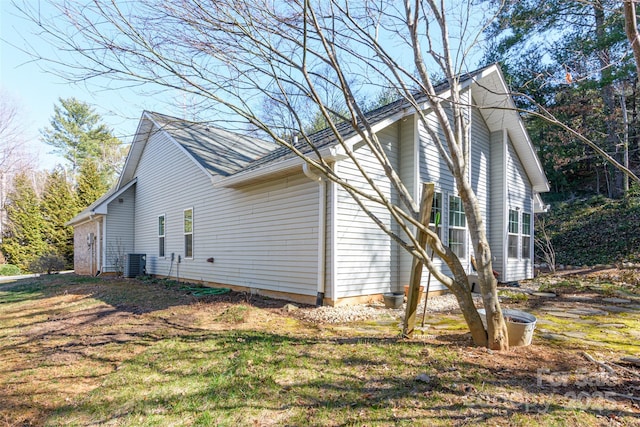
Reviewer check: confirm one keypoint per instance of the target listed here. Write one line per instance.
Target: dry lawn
(87, 351)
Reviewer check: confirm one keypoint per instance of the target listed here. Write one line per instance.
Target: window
(436, 210)
(161, 236)
(457, 227)
(526, 235)
(188, 233)
(512, 250)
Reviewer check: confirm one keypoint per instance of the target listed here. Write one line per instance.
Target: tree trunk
(460, 289)
(498, 338)
(606, 72)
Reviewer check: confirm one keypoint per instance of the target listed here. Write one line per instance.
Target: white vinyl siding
(518, 195)
(498, 220)
(432, 168)
(368, 259)
(261, 236)
(119, 232)
(480, 168)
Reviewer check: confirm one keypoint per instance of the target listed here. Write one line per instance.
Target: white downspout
(505, 207)
(103, 246)
(322, 234)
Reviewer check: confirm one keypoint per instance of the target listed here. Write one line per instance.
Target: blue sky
(35, 91)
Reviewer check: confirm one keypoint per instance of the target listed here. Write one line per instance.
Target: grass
(122, 352)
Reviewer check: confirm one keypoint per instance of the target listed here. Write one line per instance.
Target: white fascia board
(353, 140)
(521, 140)
(102, 207)
(135, 150)
(329, 153)
(539, 205)
(88, 217)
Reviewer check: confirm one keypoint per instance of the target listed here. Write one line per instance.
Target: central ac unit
(136, 265)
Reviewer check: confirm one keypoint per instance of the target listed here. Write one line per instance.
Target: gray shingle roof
(226, 153)
(219, 151)
(326, 137)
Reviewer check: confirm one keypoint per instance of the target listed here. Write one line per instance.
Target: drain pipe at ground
(322, 234)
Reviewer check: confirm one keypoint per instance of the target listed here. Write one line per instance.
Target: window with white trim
(436, 212)
(457, 227)
(188, 232)
(514, 226)
(526, 235)
(161, 231)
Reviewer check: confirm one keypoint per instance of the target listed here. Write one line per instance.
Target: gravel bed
(446, 303)
(353, 313)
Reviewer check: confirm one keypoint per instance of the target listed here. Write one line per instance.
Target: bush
(50, 263)
(9, 270)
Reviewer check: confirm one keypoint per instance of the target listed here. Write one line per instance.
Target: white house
(207, 205)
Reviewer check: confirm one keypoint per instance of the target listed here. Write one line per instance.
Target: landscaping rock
(616, 300)
(588, 312)
(613, 326)
(554, 337)
(544, 294)
(563, 314)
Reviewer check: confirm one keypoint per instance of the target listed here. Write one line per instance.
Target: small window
(161, 236)
(512, 250)
(188, 233)
(457, 227)
(436, 211)
(526, 235)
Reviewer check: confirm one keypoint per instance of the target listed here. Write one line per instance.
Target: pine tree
(572, 58)
(58, 206)
(76, 133)
(23, 241)
(91, 184)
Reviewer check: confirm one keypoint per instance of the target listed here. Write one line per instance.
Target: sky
(35, 92)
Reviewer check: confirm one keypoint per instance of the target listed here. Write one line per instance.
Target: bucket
(520, 326)
(393, 299)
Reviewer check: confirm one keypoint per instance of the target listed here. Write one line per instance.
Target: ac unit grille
(136, 265)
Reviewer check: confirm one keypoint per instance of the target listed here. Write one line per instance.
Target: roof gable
(495, 103)
(217, 152)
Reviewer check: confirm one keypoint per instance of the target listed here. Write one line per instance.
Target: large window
(161, 230)
(188, 233)
(526, 235)
(457, 227)
(514, 227)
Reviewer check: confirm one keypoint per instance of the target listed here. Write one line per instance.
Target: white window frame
(525, 250)
(162, 233)
(187, 233)
(435, 208)
(458, 225)
(513, 229)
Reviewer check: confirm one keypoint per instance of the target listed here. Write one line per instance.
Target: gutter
(322, 232)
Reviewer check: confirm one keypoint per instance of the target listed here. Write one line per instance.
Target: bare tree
(14, 158)
(235, 54)
(13, 155)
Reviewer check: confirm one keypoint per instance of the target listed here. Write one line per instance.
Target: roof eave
(241, 178)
